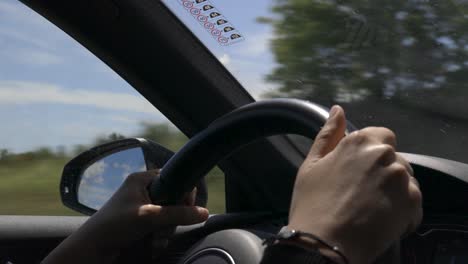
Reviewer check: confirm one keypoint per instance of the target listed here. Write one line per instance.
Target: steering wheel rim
(230, 132)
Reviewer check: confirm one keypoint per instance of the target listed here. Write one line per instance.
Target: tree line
(163, 133)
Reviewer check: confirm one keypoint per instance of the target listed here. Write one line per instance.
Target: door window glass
(56, 100)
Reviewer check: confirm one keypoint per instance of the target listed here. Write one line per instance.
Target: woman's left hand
(127, 217)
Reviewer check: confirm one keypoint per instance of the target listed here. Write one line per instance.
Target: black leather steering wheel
(230, 132)
(225, 135)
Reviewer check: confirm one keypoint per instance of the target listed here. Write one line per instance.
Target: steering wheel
(230, 132)
(225, 135)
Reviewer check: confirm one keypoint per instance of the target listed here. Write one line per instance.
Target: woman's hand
(126, 218)
(355, 191)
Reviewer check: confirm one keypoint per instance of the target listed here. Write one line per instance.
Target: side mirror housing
(91, 178)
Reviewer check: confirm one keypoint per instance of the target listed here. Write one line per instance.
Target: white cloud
(95, 171)
(94, 196)
(21, 92)
(9, 8)
(35, 57)
(20, 36)
(23, 24)
(124, 166)
(17, 11)
(225, 59)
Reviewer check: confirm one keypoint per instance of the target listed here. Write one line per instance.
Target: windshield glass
(399, 64)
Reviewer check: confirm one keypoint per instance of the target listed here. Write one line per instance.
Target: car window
(56, 100)
(399, 64)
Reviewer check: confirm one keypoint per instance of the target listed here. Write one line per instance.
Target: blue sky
(100, 180)
(54, 92)
(250, 60)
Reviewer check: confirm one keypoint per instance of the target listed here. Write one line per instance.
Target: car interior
(251, 141)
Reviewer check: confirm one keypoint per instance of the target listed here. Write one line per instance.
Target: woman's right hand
(355, 191)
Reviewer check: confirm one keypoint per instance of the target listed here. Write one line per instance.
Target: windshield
(399, 64)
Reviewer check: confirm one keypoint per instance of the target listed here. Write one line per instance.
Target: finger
(415, 182)
(173, 215)
(189, 198)
(397, 178)
(404, 162)
(385, 153)
(330, 134)
(380, 135)
(416, 199)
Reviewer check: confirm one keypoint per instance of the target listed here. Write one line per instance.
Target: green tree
(43, 153)
(164, 134)
(4, 153)
(105, 139)
(334, 51)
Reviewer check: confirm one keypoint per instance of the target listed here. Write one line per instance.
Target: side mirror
(91, 178)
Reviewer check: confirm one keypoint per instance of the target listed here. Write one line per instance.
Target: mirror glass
(100, 180)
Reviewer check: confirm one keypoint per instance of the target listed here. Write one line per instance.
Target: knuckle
(388, 153)
(386, 149)
(398, 170)
(327, 132)
(382, 134)
(415, 194)
(357, 137)
(384, 153)
(133, 177)
(387, 133)
(371, 130)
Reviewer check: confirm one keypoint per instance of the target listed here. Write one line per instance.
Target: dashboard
(439, 240)
(442, 237)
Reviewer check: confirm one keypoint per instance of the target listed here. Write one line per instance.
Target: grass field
(31, 188)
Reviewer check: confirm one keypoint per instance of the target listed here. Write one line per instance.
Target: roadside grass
(31, 187)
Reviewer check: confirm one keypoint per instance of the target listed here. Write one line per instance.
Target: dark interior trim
(22, 227)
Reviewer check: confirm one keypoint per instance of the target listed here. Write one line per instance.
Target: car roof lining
(147, 45)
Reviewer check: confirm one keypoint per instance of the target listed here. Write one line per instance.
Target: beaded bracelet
(287, 234)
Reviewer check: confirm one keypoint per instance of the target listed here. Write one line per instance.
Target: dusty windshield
(399, 64)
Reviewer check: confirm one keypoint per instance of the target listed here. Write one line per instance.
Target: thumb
(330, 134)
(174, 215)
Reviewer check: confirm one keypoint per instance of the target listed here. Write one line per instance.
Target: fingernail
(333, 111)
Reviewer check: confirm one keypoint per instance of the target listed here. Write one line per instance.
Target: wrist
(327, 243)
(312, 245)
(354, 249)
